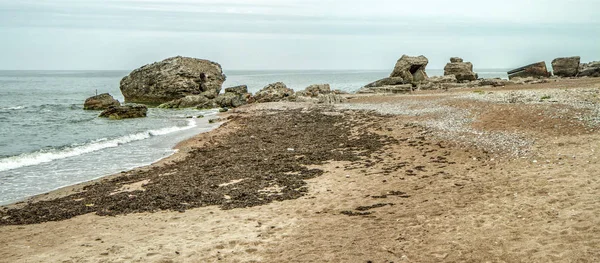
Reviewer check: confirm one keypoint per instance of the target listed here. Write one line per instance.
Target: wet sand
(496, 175)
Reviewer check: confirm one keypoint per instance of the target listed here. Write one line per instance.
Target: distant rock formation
(171, 79)
(536, 70)
(273, 92)
(100, 102)
(566, 67)
(411, 69)
(463, 71)
(591, 69)
(408, 72)
(125, 112)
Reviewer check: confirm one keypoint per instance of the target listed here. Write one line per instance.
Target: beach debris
(566, 67)
(125, 112)
(171, 79)
(463, 71)
(535, 70)
(100, 102)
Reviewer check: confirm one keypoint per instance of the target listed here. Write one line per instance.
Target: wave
(13, 108)
(45, 156)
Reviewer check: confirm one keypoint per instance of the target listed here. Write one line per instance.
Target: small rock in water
(200, 116)
(224, 109)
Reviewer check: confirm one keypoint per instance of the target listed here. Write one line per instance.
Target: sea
(47, 140)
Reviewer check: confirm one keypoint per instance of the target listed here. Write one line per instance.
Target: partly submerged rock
(100, 102)
(411, 69)
(125, 112)
(566, 67)
(463, 71)
(273, 92)
(591, 69)
(535, 70)
(172, 79)
(187, 102)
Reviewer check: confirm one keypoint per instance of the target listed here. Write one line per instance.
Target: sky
(293, 34)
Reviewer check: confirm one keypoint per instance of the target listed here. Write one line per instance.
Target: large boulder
(233, 97)
(171, 79)
(535, 70)
(125, 112)
(591, 69)
(411, 69)
(463, 71)
(100, 102)
(566, 67)
(273, 92)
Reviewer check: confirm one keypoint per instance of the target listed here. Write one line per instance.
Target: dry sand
(475, 175)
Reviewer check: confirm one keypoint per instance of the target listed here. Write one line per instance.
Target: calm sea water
(47, 141)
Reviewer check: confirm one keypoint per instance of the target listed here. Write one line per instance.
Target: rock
(125, 112)
(273, 92)
(231, 100)
(496, 82)
(411, 69)
(387, 82)
(100, 102)
(566, 67)
(316, 89)
(536, 70)
(591, 69)
(330, 98)
(172, 79)
(461, 70)
(405, 88)
(443, 79)
(186, 102)
(456, 60)
(242, 89)
(224, 109)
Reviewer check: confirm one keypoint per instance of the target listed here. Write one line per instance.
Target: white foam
(45, 156)
(14, 108)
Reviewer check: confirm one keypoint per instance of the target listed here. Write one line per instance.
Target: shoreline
(414, 188)
(180, 151)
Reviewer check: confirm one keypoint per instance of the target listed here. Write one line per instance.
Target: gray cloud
(307, 34)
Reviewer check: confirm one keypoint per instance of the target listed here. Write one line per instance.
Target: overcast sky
(294, 34)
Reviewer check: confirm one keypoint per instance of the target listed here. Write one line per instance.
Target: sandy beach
(506, 174)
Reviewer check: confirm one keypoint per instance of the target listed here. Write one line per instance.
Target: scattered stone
(172, 79)
(100, 102)
(495, 82)
(566, 67)
(535, 70)
(463, 71)
(125, 112)
(224, 109)
(330, 99)
(591, 69)
(273, 92)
